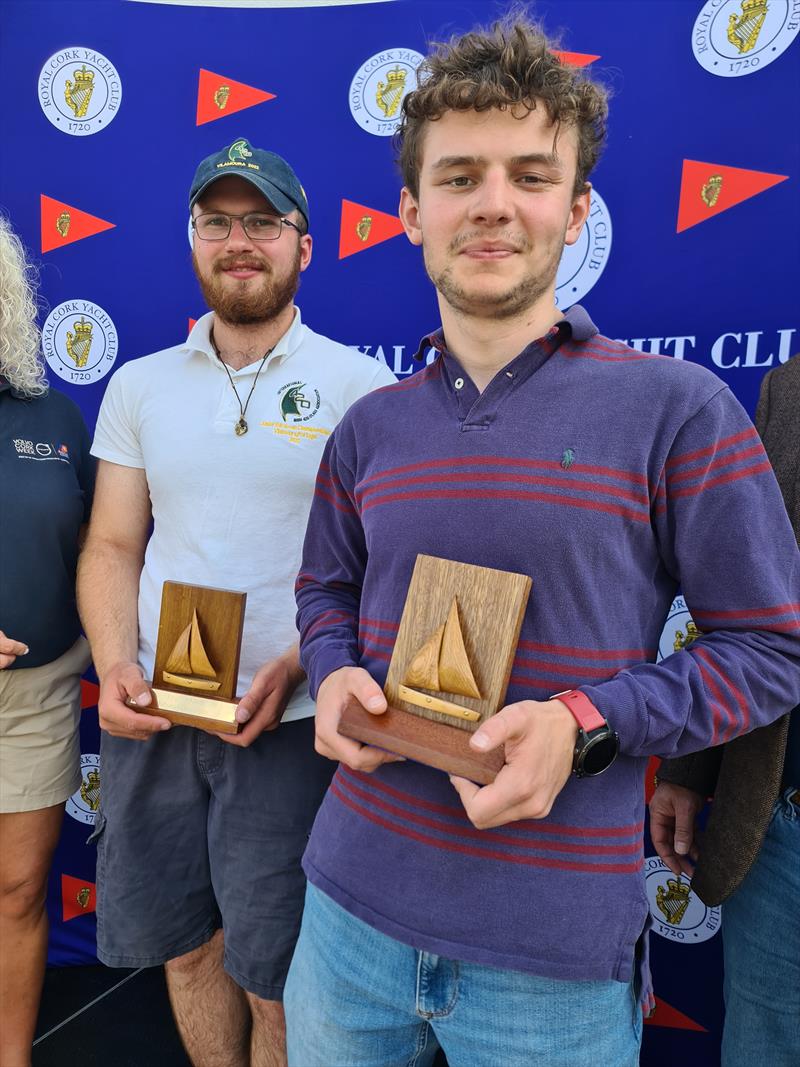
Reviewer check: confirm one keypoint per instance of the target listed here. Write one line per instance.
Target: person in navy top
(46, 482)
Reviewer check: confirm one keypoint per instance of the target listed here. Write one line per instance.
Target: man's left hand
(265, 701)
(539, 738)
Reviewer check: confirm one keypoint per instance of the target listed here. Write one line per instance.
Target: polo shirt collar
(199, 341)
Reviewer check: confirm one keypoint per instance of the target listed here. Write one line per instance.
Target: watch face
(599, 753)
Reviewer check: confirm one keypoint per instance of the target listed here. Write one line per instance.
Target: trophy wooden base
(188, 709)
(433, 743)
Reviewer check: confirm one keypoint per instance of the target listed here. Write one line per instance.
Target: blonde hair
(20, 352)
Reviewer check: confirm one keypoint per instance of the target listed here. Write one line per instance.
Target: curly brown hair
(509, 66)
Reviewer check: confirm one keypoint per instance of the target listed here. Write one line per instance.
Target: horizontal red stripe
(497, 837)
(508, 494)
(751, 613)
(744, 708)
(722, 479)
(458, 812)
(482, 853)
(710, 450)
(504, 461)
(717, 702)
(720, 461)
(568, 670)
(377, 639)
(637, 654)
(380, 624)
(327, 618)
(565, 481)
(328, 498)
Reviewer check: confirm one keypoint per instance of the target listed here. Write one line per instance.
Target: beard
(470, 300)
(251, 302)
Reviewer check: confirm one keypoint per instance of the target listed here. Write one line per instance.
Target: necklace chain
(240, 426)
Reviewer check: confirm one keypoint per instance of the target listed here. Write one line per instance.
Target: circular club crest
(731, 38)
(678, 913)
(299, 402)
(85, 801)
(582, 263)
(378, 88)
(679, 630)
(79, 342)
(80, 91)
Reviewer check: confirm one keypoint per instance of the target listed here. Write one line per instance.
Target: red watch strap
(586, 714)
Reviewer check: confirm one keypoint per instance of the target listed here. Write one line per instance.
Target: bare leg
(210, 1009)
(27, 841)
(268, 1039)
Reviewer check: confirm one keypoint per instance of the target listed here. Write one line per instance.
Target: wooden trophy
(450, 667)
(197, 657)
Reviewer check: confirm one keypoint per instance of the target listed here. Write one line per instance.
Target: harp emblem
(389, 93)
(90, 790)
(363, 227)
(673, 901)
(709, 194)
(62, 223)
(79, 93)
(80, 342)
(221, 96)
(743, 30)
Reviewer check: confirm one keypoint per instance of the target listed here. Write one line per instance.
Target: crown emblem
(221, 96)
(743, 30)
(82, 896)
(90, 790)
(673, 902)
(709, 194)
(79, 93)
(363, 226)
(79, 343)
(390, 93)
(62, 223)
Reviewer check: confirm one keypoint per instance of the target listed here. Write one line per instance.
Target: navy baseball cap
(268, 172)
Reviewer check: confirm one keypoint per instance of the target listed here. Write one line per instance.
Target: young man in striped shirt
(502, 922)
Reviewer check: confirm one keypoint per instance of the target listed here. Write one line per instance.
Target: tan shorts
(39, 746)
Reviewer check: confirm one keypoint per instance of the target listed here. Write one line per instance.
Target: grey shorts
(194, 834)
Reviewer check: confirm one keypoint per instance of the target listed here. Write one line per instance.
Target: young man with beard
(522, 447)
(217, 442)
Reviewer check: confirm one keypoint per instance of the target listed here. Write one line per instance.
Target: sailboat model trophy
(197, 656)
(450, 666)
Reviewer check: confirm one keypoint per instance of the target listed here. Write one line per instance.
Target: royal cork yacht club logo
(731, 38)
(79, 342)
(678, 914)
(679, 630)
(80, 91)
(378, 88)
(582, 263)
(85, 801)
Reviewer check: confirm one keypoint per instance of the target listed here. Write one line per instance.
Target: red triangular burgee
(364, 227)
(214, 102)
(707, 189)
(62, 224)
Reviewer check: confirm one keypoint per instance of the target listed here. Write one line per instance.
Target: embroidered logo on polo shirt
(568, 458)
(298, 403)
(678, 913)
(41, 450)
(85, 801)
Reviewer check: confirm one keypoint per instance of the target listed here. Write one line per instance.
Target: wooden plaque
(450, 666)
(197, 656)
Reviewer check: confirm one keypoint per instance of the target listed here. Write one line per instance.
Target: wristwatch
(597, 745)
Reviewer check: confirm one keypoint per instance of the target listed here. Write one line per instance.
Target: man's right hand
(673, 814)
(336, 691)
(9, 650)
(122, 682)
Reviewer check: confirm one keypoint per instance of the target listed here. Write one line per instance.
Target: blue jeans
(357, 998)
(761, 940)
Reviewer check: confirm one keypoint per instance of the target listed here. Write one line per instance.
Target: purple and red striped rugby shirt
(613, 479)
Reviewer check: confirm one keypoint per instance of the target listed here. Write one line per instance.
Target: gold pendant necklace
(240, 427)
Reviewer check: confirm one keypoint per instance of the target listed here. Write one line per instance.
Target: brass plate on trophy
(197, 656)
(450, 666)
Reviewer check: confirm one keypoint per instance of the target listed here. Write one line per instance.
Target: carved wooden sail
(442, 664)
(188, 664)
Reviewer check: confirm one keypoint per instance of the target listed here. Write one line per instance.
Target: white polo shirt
(231, 511)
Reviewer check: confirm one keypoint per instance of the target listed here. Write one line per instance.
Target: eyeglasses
(215, 226)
